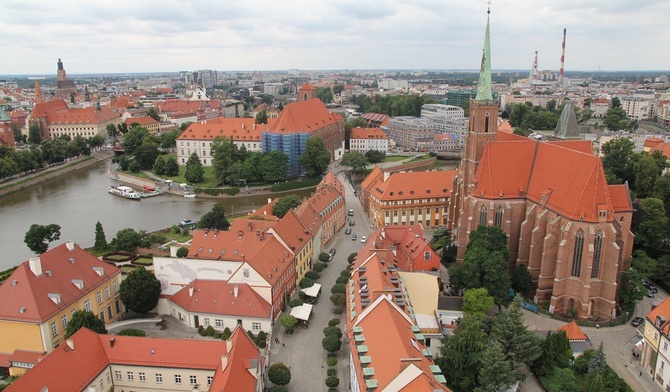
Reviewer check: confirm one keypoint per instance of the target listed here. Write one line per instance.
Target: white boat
(124, 191)
(190, 195)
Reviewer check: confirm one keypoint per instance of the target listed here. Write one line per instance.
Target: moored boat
(124, 191)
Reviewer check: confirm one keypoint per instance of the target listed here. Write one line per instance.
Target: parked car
(651, 287)
(332, 251)
(637, 321)
(353, 237)
(352, 222)
(364, 239)
(347, 231)
(650, 293)
(351, 213)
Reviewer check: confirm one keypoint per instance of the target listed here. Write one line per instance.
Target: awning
(302, 312)
(312, 291)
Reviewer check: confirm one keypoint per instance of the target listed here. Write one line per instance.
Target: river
(76, 201)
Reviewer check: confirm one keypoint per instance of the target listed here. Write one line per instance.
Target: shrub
(351, 258)
(338, 299)
(338, 288)
(131, 332)
(331, 361)
(295, 302)
(334, 322)
(338, 309)
(175, 229)
(331, 343)
(333, 331)
(312, 275)
(225, 335)
(157, 238)
(331, 372)
(278, 388)
(200, 328)
(184, 231)
(251, 335)
(294, 184)
(203, 332)
(318, 267)
(182, 252)
(279, 374)
(261, 343)
(217, 335)
(342, 279)
(324, 257)
(210, 330)
(262, 336)
(145, 243)
(332, 382)
(305, 283)
(289, 322)
(345, 273)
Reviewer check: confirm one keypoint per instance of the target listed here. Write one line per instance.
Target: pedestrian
(640, 373)
(283, 344)
(597, 326)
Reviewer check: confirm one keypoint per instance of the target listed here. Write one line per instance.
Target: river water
(76, 201)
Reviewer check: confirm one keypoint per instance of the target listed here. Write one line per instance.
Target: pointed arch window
(304, 97)
(486, 124)
(597, 255)
(499, 217)
(482, 215)
(578, 253)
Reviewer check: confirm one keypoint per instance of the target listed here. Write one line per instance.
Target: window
(108, 378)
(118, 307)
(107, 292)
(577, 254)
(63, 320)
(72, 312)
(499, 217)
(665, 346)
(219, 323)
(159, 378)
(54, 329)
(427, 255)
(130, 375)
(99, 296)
(193, 379)
(597, 255)
(102, 315)
(206, 322)
(571, 304)
(177, 378)
(109, 312)
(87, 305)
(117, 375)
(115, 287)
(256, 326)
(142, 376)
(210, 379)
(482, 215)
(102, 385)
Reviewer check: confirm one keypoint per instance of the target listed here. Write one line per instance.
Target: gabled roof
(620, 195)
(219, 297)
(81, 116)
(323, 197)
(663, 147)
(307, 87)
(30, 298)
(376, 174)
(407, 245)
(237, 244)
(309, 217)
(573, 332)
(240, 129)
(42, 109)
(368, 133)
(330, 179)
(662, 310)
(179, 105)
(303, 117)
(239, 373)
(265, 212)
(415, 185)
(141, 120)
(292, 232)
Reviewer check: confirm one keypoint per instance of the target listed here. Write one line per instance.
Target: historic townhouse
(55, 119)
(41, 295)
(366, 139)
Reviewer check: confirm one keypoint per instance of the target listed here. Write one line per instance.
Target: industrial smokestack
(534, 73)
(560, 74)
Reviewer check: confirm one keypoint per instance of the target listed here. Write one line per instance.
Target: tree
(223, 156)
(169, 140)
(597, 383)
(561, 380)
(112, 131)
(34, 134)
(615, 119)
(495, 373)
(133, 139)
(100, 244)
(279, 374)
(519, 345)
(273, 166)
(126, 239)
(325, 94)
(616, 103)
(652, 232)
(521, 280)
(182, 252)
(146, 155)
(462, 354)
(476, 302)
(289, 322)
(355, 161)
(646, 172)
(153, 113)
(632, 291)
(334, 331)
(598, 363)
(338, 299)
(84, 318)
(285, 204)
(618, 160)
(194, 170)
(38, 237)
(305, 283)
(214, 219)
(332, 381)
(556, 353)
(261, 117)
(374, 156)
(316, 157)
(140, 290)
(331, 343)
(484, 264)
(278, 388)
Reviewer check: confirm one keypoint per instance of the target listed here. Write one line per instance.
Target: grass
(144, 261)
(395, 158)
(177, 237)
(420, 158)
(209, 180)
(127, 269)
(117, 257)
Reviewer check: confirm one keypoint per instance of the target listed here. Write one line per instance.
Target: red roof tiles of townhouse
(652, 141)
(323, 197)
(573, 332)
(307, 87)
(179, 105)
(237, 375)
(27, 356)
(17, 113)
(81, 116)
(367, 275)
(330, 179)
(376, 117)
(309, 217)
(304, 117)
(415, 185)
(43, 109)
(292, 232)
(219, 297)
(265, 212)
(240, 129)
(663, 147)
(372, 178)
(141, 121)
(30, 298)
(237, 244)
(410, 247)
(271, 260)
(662, 310)
(368, 133)
(620, 196)
(600, 100)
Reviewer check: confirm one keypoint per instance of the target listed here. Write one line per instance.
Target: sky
(261, 35)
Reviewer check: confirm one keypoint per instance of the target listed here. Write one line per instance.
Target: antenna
(560, 74)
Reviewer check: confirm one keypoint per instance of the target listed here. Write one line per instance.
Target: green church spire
(484, 87)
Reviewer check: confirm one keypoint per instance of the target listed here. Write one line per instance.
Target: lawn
(144, 261)
(420, 158)
(127, 269)
(177, 237)
(117, 257)
(210, 181)
(395, 158)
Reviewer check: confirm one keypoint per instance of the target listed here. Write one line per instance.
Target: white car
(364, 239)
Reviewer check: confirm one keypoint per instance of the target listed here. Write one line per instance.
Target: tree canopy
(279, 374)
(285, 204)
(355, 161)
(194, 173)
(316, 157)
(38, 237)
(100, 244)
(84, 318)
(214, 219)
(476, 302)
(140, 290)
(126, 239)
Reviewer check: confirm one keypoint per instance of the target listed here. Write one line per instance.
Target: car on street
(353, 237)
(332, 251)
(347, 231)
(651, 287)
(650, 293)
(637, 321)
(364, 239)
(351, 213)
(352, 222)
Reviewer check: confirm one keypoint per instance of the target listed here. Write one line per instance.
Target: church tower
(38, 93)
(306, 92)
(61, 72)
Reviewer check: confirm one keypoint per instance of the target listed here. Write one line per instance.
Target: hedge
(295, 184)
(131, 332)
(218, 191)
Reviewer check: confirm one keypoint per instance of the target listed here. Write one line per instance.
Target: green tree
(325, 94)
(632, 291)
(96, 141)
(153, 113)
(272, 166)
(146, 155)
(662, 190)
(84, 318)
(332, 381)
(126, 239)
(289, 322)
(214, 219)
(476, 302)
(279, 374)
(462, 353)
(615, 119)
(133, 139)
(519, 345)
(521, 280)
(338, 299)
(140, 290)
(38, 237)
(652, 230)
(597, 383)
(618, 159)
(100, 244)
(34, 134)
(169, 140)
(484, 264)
(561, 380)
(616, 103)
(355, 161)
(182, 252)
(194, 173)
(556, 353)
(465, 105)
(646, 173)
(159, 166)
(261, 117)
(598, 362)
(331, 343)
(285, 204)
(374, 156)
(495, 373)
(316, 157)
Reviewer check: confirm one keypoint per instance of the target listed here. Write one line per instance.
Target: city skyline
(136, 37)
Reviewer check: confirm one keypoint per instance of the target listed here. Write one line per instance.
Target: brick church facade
(564, 222)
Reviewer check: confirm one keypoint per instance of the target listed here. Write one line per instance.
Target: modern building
(637, 108)
(89, 362)
(564, 222)
(410, 198)
(430, 110)
(457, 97)
(42, 294)
(367, 139)
(406, 130)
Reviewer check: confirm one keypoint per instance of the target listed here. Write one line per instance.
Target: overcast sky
(172, 35)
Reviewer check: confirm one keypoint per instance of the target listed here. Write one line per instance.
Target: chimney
(70, 343)
(249, 225)
(190, 291)
(35, 265)
(269, 200)
(111, 342)
(236, 290)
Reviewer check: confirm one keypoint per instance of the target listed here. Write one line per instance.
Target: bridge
(449, 155)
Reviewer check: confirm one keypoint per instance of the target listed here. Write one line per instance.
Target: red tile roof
(141, 121)
(240, 129)
(81, 116)
(663, 147)
(620, 195)
(239, 373)
(415, 185)
(178, 105)
(368, 133)
(60, 267)
(307, 87)
(652, 141)
(304, 117)
(265, 212)
(218, 297)
(573, 332)
(407, 245)
(292, 232)
(27, 356)
(323, 197)
(42, 109)
(375, 175)
(330, 179)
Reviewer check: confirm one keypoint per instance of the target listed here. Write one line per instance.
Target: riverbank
(32, 179)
